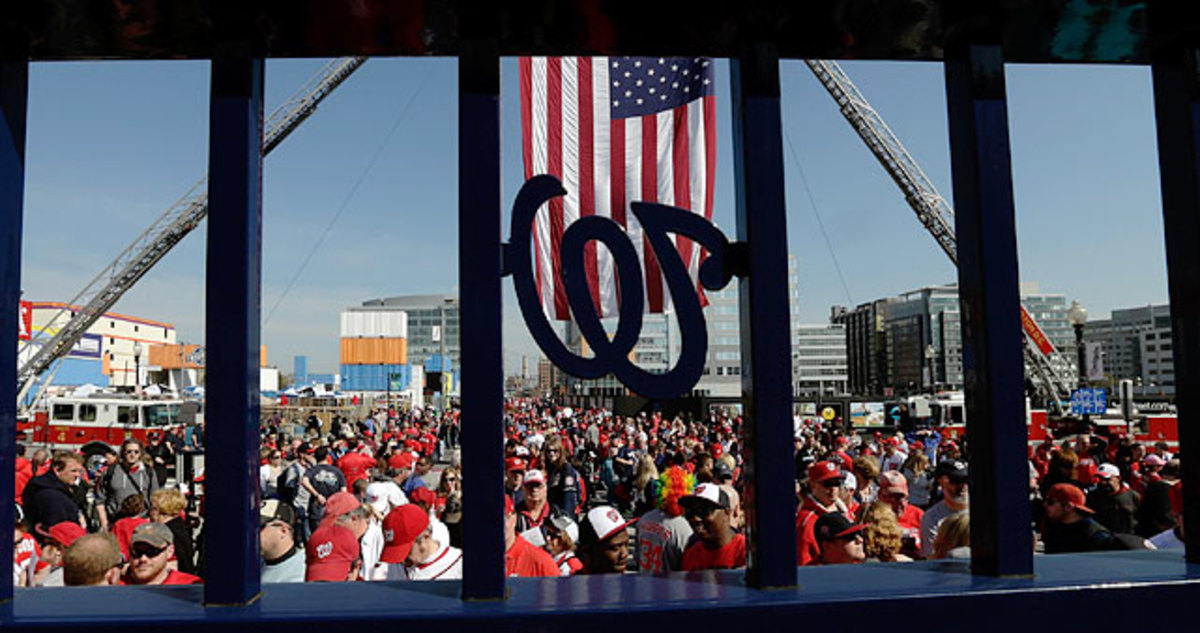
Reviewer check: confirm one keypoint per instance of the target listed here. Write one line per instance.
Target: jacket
(48, 501)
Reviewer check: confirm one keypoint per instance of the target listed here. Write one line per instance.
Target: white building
(819, 360)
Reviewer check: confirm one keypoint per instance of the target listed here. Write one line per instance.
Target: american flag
(617, 130)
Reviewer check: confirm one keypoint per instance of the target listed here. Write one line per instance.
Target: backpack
(288, 484)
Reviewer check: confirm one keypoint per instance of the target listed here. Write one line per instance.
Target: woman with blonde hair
(167, 505)
(883, 536)
(643, 495)
(953, 538)
(919, 476)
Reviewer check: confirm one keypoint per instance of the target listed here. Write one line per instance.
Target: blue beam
(233, 315)
(765, 327)
(993, 366)
(479, 275)
(14, 90)
(1177, 113)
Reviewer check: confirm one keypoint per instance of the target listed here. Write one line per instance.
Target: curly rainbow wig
(670, 486)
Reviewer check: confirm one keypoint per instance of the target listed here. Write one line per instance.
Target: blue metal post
(1177, 112)
(993, 366)
(234, 269)
(14, 88)
(479, 274)
(765, 326)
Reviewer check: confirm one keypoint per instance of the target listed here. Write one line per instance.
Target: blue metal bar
(1177, 113)
(479, 274)
(993, 367)
(765, 339)
(14, 90)
(233, 316)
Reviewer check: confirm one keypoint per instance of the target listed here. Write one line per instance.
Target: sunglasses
(451, 479)
(149, 551)
(133, 452)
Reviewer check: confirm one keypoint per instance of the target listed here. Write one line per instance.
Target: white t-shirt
(929, 525)
(372, 549)
(661, 540)
(446, 564)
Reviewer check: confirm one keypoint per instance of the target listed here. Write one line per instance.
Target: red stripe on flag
(616, 179)
(654, 297)
(554, 134)
(587, 188)
(683, 183)
(526, 74)
(710, 172)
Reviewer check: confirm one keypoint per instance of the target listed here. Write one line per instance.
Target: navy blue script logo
(612, 356)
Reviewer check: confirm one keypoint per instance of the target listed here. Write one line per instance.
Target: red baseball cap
(514, 463)
(330, 555)
(337, 504)
(1069, 493)
(821, 472)
(401, 460)
(401, 527)
(423, 495)
(64, 532)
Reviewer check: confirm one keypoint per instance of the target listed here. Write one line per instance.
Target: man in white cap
(717, 545)
(381, 497)
(1115, 504)
(604, 541)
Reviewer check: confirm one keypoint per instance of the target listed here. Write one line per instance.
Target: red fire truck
(94, 423)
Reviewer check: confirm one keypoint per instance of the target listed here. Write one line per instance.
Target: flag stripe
(601, 150)
(542, 237)
(633, 190)
(587, 191)
(681, 155)
(554, 167)
(649, 160)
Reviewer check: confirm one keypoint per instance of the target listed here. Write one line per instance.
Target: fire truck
(92, 424)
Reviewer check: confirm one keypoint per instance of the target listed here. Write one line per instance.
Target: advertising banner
(25, 323)
(88, 346)
(1036, 333)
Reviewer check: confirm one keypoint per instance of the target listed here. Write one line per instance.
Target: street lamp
(929, 354)
(137, 367)
(1077, 316)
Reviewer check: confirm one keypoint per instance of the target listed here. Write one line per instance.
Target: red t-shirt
(732, 555)
(123, 531)
(355, 466)
(525, 560)
(175, 577)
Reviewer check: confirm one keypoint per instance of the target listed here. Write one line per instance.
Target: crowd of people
(586, 492)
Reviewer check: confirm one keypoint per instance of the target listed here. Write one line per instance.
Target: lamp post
(137, 367)
(1077, 316)
(929, 355)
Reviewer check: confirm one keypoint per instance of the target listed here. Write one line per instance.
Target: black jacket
(48, 501)
(1115, 511)
(1082, 536)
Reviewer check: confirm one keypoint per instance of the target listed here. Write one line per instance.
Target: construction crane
(1050, 374)
(168, 230)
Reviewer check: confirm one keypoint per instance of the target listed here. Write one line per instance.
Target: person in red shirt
(151, 546)
(355, 465)
(824, 478)
(840, 539)
(893, 489)
(716, 544)
(522, 558)
(604, 541)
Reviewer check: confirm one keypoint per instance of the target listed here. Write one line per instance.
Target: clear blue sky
(113, 144)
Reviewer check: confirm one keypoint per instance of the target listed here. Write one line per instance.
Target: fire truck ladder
(168, 230)
(1050, 375)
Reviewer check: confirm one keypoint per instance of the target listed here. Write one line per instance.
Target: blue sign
(1089, 401)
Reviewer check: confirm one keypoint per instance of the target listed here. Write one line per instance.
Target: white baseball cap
(1107, 470)
(534, 476)
(384, 495)
(600, 523)
(709, 492)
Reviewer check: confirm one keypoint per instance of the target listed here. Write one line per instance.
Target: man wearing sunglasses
(824, 479)
(128, 477)
(150, 547)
